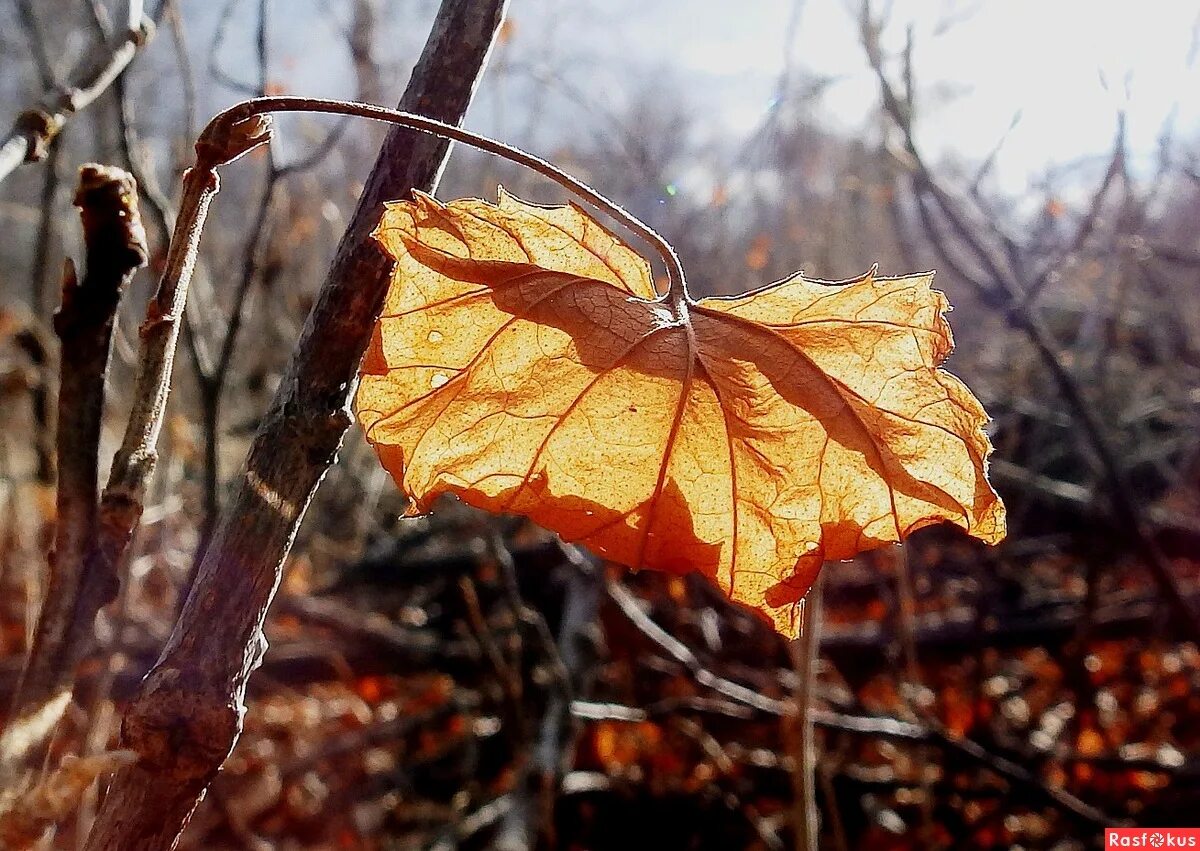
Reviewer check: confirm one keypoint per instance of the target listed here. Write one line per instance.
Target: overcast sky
(1066, 65)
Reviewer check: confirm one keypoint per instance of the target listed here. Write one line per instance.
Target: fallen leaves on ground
(30, 811)
(525, 363)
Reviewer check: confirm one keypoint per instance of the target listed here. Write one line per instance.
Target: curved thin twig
(677, 287)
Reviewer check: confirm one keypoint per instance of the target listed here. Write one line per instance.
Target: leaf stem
(676, 293)
(805, 651)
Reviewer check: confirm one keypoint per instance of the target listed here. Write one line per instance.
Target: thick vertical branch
(187, 715)
(116, 248)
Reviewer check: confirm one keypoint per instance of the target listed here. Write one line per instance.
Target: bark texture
(116, 249)
(187, 715)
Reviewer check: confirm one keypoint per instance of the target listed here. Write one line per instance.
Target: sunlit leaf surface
(524, 363)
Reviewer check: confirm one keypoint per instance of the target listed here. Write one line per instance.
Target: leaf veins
(524, 363)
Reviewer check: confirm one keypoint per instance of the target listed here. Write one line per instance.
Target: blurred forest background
(462, 681)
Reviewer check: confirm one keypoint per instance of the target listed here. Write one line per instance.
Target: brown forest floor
(407, 699)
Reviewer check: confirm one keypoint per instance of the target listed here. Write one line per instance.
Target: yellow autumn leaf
(524, 363)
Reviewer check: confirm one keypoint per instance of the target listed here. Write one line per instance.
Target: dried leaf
(524, 362)
(27, 815)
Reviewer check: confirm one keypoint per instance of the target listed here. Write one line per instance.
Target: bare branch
(1014, 772)
(212, 373)
(116, 248)
(31, 340)
(883, 727)
(530, 822)
(681, 653)
(187, 715)
(35, 128)
(1003, 288)
(214, 65)
(1116, 167)
(37, 44)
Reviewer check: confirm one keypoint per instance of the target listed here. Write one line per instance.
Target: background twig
(35, 128)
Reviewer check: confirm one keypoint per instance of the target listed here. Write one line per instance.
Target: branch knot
(225, 141)
(39, 128)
